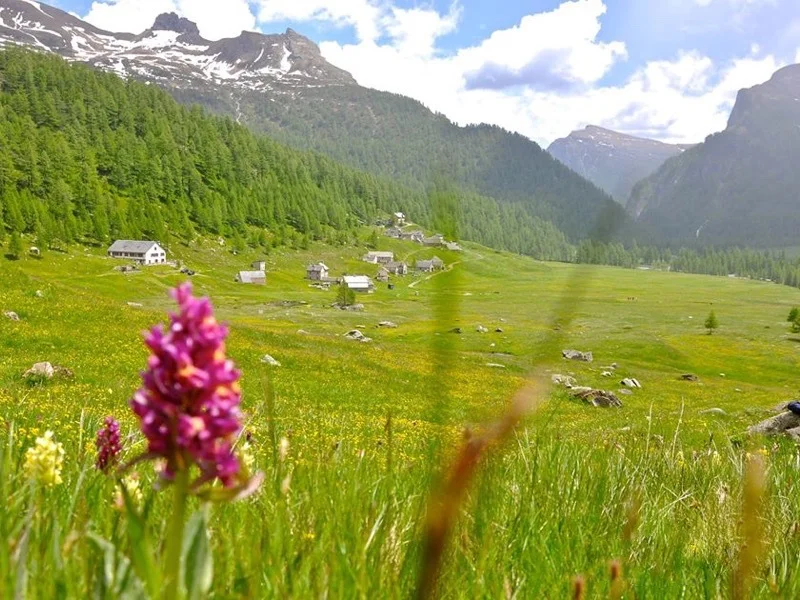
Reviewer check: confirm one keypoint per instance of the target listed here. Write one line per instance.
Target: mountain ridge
(612, 160)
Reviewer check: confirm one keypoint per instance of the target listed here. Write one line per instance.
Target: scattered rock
(625, 392)
(387, 325)
(268, 360)
(777, 424)
(10, 314)
(63, 372)
(607, 374)
(456, 330)
(302, 332)
(41, 369)
(134, 305)
(689, 377)
(565, 380)
(722, 374)
(502, 320)
(499, 330)
(631, 383)
(577, 355)
(580, 389)
(357, 336)
(614, 366)
(39, 294)
(599, 398)
(354, 308)
(717, 412)
(794, 433)
(481, 329)
(495, 366)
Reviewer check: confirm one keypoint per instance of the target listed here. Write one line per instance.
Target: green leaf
(141, 554)
(197, 562)
(119, 580)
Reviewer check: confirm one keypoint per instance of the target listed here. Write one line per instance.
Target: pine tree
(793, 315)
(711, 322)
(345, 296)
(15, 246)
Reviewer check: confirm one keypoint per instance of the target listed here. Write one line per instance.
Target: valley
(331, 398)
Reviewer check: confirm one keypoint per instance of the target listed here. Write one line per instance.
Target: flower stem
(175, 534)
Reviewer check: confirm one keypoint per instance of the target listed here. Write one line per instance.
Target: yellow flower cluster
(131, 485)
(44, 460)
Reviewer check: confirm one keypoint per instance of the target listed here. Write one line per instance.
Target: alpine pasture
(643, 501)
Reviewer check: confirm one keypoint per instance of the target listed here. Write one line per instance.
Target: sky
(663, 69)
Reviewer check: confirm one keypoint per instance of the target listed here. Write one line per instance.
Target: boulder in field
(269, 360)
(776, 425)
(495, 366)
(357, 336)
(11, 315)
(689, 377)
(456, 330)
(717, 412)
(577, 355)
(631, 383)
(607, 374)
(41, 369)
(599, 398)
(481, 329)
(565, 380)
(387, 325)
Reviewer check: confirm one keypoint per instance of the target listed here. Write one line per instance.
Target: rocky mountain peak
(172, 22)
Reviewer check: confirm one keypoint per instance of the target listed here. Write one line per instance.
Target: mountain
(281, 85)
(611, 160)
(741, 185)
(85, 157)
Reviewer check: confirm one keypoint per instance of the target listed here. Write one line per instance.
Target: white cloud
(134, 16)
(363, 15)
(544, 78)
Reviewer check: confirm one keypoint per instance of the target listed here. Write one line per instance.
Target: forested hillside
(86, 156)
(395, 136)
(281, 85)
(739, 186)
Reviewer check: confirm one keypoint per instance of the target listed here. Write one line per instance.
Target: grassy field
(370, 427)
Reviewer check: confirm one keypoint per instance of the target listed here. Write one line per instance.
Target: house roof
(318, 267)
(381, 254)
(357, 281)
(424, 264)
(131, 246)
(250, 276)
(395, 264)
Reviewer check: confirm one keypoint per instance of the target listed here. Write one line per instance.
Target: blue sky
(667, 69)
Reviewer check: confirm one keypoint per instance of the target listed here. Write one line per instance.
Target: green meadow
(369, 429)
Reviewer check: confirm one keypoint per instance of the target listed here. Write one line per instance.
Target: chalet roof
(395, 264)
(318, 268)
(424, 264)
(131, 246)
(250, 276)
(357, 281)
(378, 253)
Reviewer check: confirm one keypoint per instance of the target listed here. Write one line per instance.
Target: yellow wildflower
(44, 460)
(131, 485)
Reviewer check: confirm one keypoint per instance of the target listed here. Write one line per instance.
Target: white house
(378, 258)
(317, 272)
(359, 283)
(399, 219)
(145, 253)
